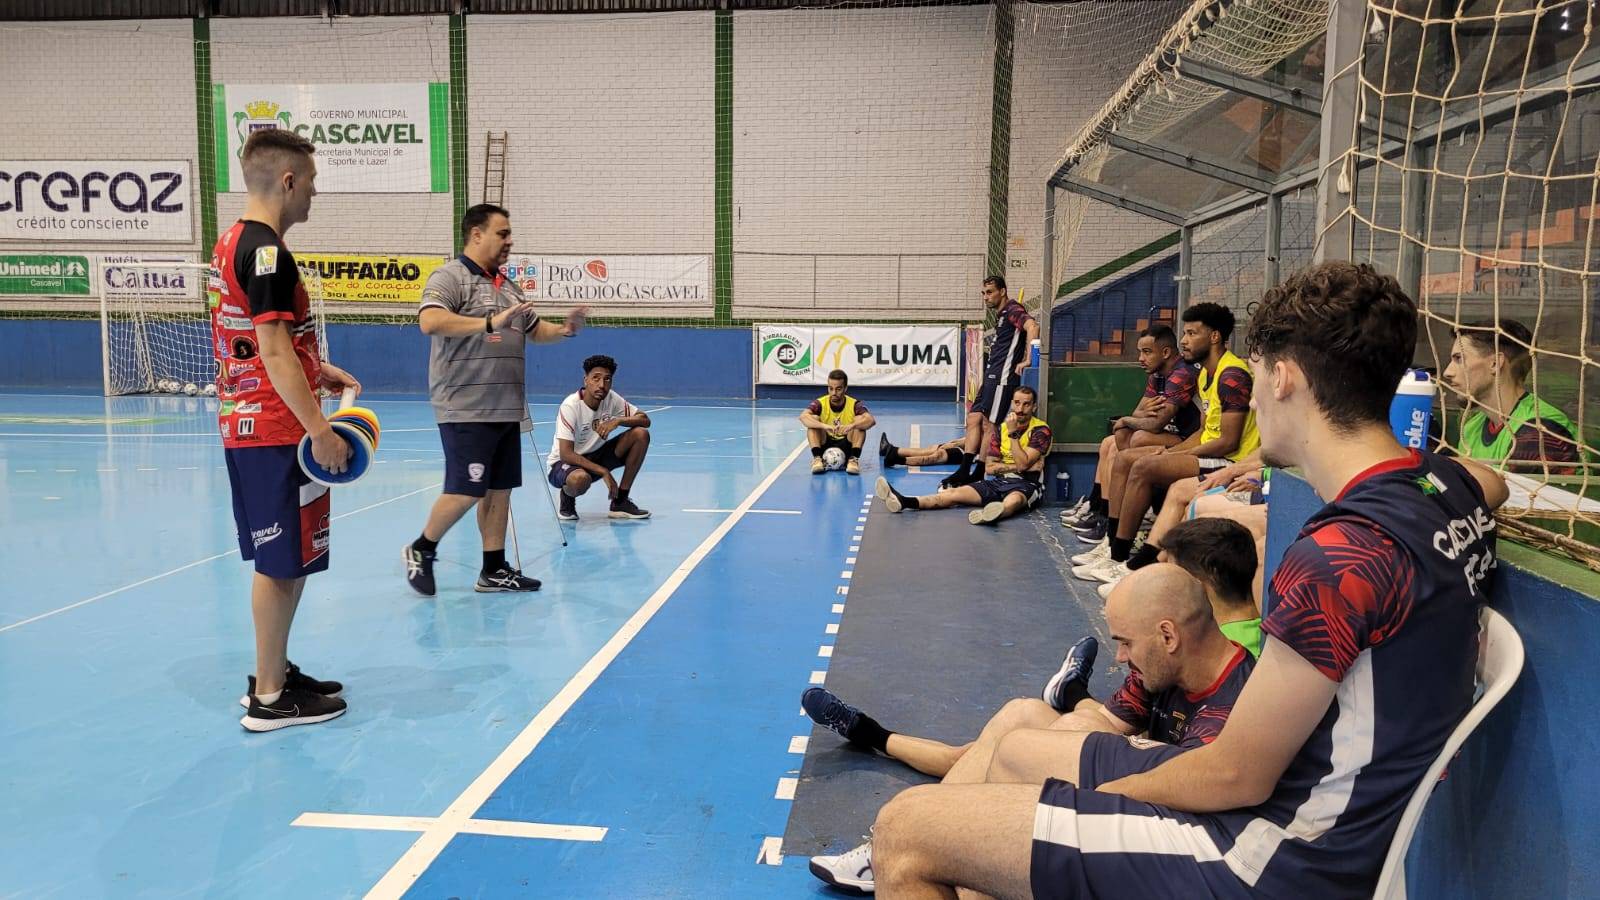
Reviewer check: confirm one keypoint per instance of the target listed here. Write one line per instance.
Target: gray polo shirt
(480, 377)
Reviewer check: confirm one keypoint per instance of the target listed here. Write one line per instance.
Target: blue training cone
(360, 456)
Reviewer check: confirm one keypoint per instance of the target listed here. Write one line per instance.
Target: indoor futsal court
(656, 449)
(632, 729)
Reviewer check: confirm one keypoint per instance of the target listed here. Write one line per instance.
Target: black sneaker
(827, 710)
(293, 707)
(419, 569)
(1076, 667)
(296, 680)
(624, 508)
(1092, 533)
(569, 508)
(505, 580)
(883, 445)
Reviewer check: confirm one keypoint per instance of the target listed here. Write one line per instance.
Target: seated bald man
(1184, 675)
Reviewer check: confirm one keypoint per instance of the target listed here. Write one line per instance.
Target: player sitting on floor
(1183, 678)
(945, 454)
(837, 421)
(1372, 638)
(584, 450)
(1014, 463)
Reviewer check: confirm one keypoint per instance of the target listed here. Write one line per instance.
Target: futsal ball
(190, 388)
(209, 390)
(833, 458)
(167, 386)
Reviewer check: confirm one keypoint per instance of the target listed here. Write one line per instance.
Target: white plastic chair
(1500, 658)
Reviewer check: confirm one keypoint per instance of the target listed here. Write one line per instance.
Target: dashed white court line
(838, 608)
(833, 628)
(817, 678)
(771, 853)
(825, 651)
(786, 788)
(405, 872)
(198, 562)
(797, 744)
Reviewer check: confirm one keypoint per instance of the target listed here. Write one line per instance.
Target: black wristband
(488, 324)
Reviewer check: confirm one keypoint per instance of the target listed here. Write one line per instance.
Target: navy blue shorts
(994, 400)
(1106, 757)
(604, 456)
(1088, 844)
(282, 516)
(994, 490)
(481, 456)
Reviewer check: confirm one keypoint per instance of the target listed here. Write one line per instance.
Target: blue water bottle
(1412, 410)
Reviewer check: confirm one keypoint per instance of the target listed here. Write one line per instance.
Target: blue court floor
(628, 731)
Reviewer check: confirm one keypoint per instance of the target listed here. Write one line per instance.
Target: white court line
(771, 853)
(798, 744)
(492, 827)
(769, 512)
(198, 562)
(786, 788)
(825, 651)
(833, 628)
(838, 607)
(816, 678)
(406, 870)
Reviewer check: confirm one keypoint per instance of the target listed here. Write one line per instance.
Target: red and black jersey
(1175, 716)
(254, 280)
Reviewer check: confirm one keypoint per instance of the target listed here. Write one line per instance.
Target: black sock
(1101, 507)
(868, 733)
(977, 471)
(494, 560)
(952, 457)
(817, 452)
(1111, 528)
(853, 453)
(426, 546)
(891, 457)
(1120, 548)
(909, 502)
(966, 459)
(1094, 496)
(1075, 692)
(622, 494)
(1144, 556)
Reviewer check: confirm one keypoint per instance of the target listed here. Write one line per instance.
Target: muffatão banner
(370, 279)
(370, 138)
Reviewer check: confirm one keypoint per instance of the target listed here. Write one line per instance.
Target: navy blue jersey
(1008, 346)
(1381, 593)
(1175, 716)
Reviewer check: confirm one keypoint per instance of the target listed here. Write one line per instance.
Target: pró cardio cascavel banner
(370, 138)
(78, 200)
(895, 355)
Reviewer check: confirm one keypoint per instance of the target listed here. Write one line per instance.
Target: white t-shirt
(575, 423)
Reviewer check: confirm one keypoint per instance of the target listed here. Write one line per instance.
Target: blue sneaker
(829, 711)
(1078, 666)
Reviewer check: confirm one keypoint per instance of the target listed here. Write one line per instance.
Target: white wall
(1068, 61)
(100, 90)
(610, 127)
(368, 50)
(861, 155)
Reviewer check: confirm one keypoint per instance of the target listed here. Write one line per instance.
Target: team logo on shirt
(266, 260)
(475, 472)
(242, 347)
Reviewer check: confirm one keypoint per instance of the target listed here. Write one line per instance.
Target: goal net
(156, 327)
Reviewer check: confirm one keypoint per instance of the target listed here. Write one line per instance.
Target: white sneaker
(850, 871)
(1107, 570)
(1100, 551)
(987, 514)
(1105, 590)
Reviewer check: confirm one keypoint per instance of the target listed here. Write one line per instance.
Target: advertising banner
(348, 278)
(148, 276)
(44, 274)
(637, 280)
(77, 200)
(371, 138)
(891, 355)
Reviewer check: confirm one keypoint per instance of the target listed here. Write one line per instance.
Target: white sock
(269, 699)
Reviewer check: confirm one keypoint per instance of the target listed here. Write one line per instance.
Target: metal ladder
(494, 168)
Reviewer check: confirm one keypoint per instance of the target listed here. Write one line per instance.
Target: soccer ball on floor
(190, 388)
(833, 459)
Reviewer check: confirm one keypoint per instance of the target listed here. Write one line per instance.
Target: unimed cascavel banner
(894, 355)
(370, 138)
(371, 279)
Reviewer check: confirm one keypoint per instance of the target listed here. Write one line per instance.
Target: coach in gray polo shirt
(480, 324)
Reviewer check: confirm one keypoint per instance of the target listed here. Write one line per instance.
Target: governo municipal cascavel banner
(370, 138)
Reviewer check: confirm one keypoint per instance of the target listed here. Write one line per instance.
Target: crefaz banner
(631, 280)
(371, 279)
(370, 138)
(78, 200)
(905, 356)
